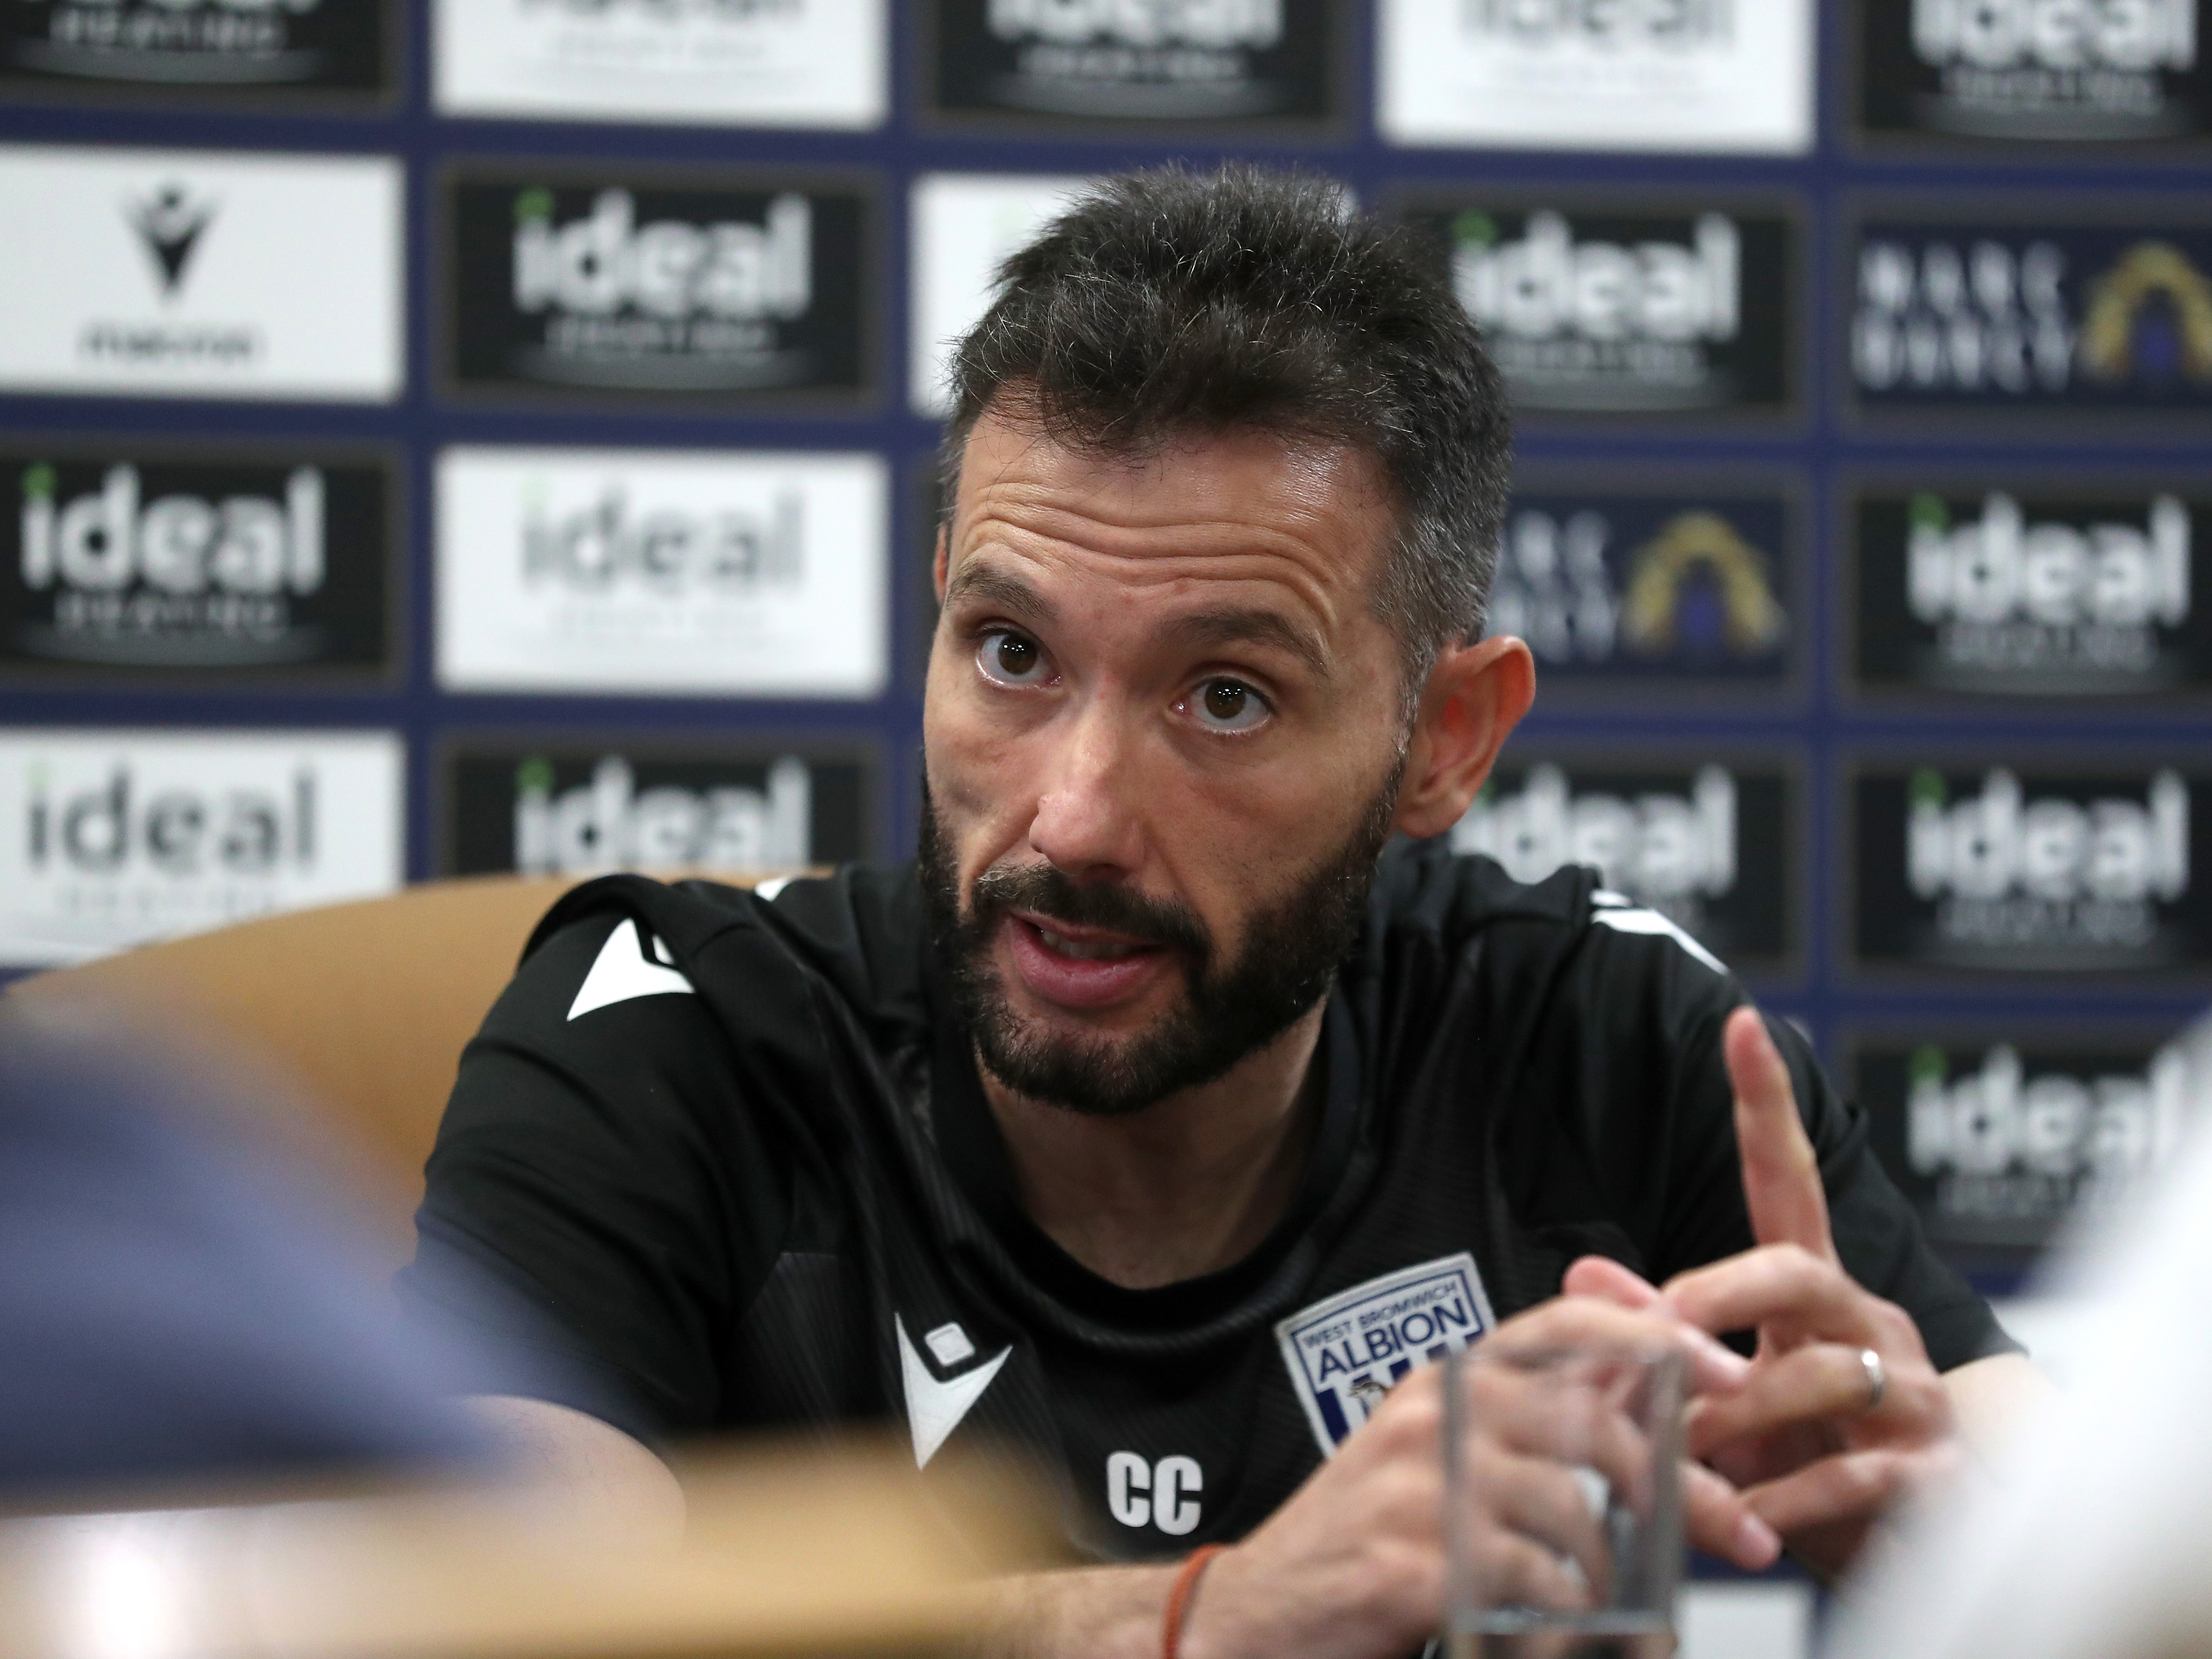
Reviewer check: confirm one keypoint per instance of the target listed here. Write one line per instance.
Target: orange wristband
(1186, 1586)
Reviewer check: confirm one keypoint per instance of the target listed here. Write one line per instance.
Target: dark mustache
(1044, 892)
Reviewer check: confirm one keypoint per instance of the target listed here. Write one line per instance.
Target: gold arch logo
(1693, 542)
(2146, 271)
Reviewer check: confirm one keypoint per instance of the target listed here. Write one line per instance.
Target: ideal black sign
(2034, 71)
(1623, 308)
(573, 808)
(1998, 1137)
(1089, 61)
(702, 290)
(1709, 845)
(339, 48)
(1673, 587)
(1971, 315)
(2025, 590)
(125, 560)
(2031, 869)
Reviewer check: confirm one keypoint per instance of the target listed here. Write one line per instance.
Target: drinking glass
(1562, 1512)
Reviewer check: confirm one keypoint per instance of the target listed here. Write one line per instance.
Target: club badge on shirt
(1346, 1353)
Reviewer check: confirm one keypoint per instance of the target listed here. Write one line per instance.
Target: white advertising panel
(1681, 75)
(111, 839)
(699, 571)
(964, 224)
(799, 63)
(201, 274)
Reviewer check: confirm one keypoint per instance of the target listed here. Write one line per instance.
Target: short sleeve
(596, 1172)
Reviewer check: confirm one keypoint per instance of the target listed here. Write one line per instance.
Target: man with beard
(1161, 1120)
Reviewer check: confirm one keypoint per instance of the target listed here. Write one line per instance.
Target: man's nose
(1087, 821)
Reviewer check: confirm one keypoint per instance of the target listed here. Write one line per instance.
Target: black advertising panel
(130, 559)
(2034, 75)
(1626, 304)
(1710, 844)
(1653, 585)
(1094, 62)
(1963, 314)
(2000, 1136)
(1986, 869)
(696, 291)
(300, 50)
(2030, 589)
(571, 805)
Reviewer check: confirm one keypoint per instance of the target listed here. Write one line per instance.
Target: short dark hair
(1169, 301)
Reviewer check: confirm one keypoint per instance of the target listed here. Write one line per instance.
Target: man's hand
(1818, 1458)
(1353, 1566)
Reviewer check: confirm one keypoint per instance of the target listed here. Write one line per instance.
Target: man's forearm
(1090, 1613)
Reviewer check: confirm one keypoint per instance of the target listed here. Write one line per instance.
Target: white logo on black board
(197, 565)
(1134, 59)
(578, 812)
(679, 290)
(218, 46)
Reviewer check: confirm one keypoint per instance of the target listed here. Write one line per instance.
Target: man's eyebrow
(986, 584)
(1240, 626)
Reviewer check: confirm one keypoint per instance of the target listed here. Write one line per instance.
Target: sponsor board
(151, 560)
(335, 50)
(2035, 73)
(1118, 61)
(1667, 585)
(701, 289)
(2001, 1136)
(566, 805)
(112, 839)
(678, 572)
(1726, 75)
(2029, 868)
(1966, 314)
(1710, 844)
(1625, 306)
(2024, 588)
(736, 63)
(200, 273)
(962, 225)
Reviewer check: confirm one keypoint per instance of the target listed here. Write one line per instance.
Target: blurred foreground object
(2092, 1538)
(361, 1009)
(789, 1552)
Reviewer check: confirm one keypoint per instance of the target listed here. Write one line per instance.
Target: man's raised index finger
(1781, 1174)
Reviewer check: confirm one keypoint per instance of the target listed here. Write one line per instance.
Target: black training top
(735, 1153)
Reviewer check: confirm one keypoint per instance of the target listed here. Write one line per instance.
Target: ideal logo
(109, 839)
(1670, 852)
(2046, 606)
(666, 549)
(177, 832)
(607, 264)
(1215, 23)
(1993, 318)
(2049, 873)
(1696, 591)
(1668, 25)
(261, 43)
(1622, 312)
(2052, 69)
(609, 823)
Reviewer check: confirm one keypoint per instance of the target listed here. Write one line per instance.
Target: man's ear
(937, 563)
(1474, 697)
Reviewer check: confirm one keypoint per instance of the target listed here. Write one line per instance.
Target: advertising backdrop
(447, 436)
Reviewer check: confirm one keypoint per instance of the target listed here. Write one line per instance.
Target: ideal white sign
(111, 839)
(795, 63)
(683, 573)
(201, 274)
(1729, 76)
(963, 226)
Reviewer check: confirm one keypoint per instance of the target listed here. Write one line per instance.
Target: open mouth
(1081, 968)
(1089, 949)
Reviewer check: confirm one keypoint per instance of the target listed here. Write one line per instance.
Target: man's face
(1164, 734)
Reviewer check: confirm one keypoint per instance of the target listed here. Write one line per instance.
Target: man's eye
(1011, 660)
(1226, 705)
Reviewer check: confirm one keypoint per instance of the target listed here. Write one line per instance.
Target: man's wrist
(1211, 1628)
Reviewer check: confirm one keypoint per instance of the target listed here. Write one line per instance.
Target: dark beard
(1291, 952)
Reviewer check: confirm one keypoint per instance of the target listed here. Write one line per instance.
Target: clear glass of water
(1563, 1504)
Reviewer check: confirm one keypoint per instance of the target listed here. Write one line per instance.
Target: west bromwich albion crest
(1347, 1353)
